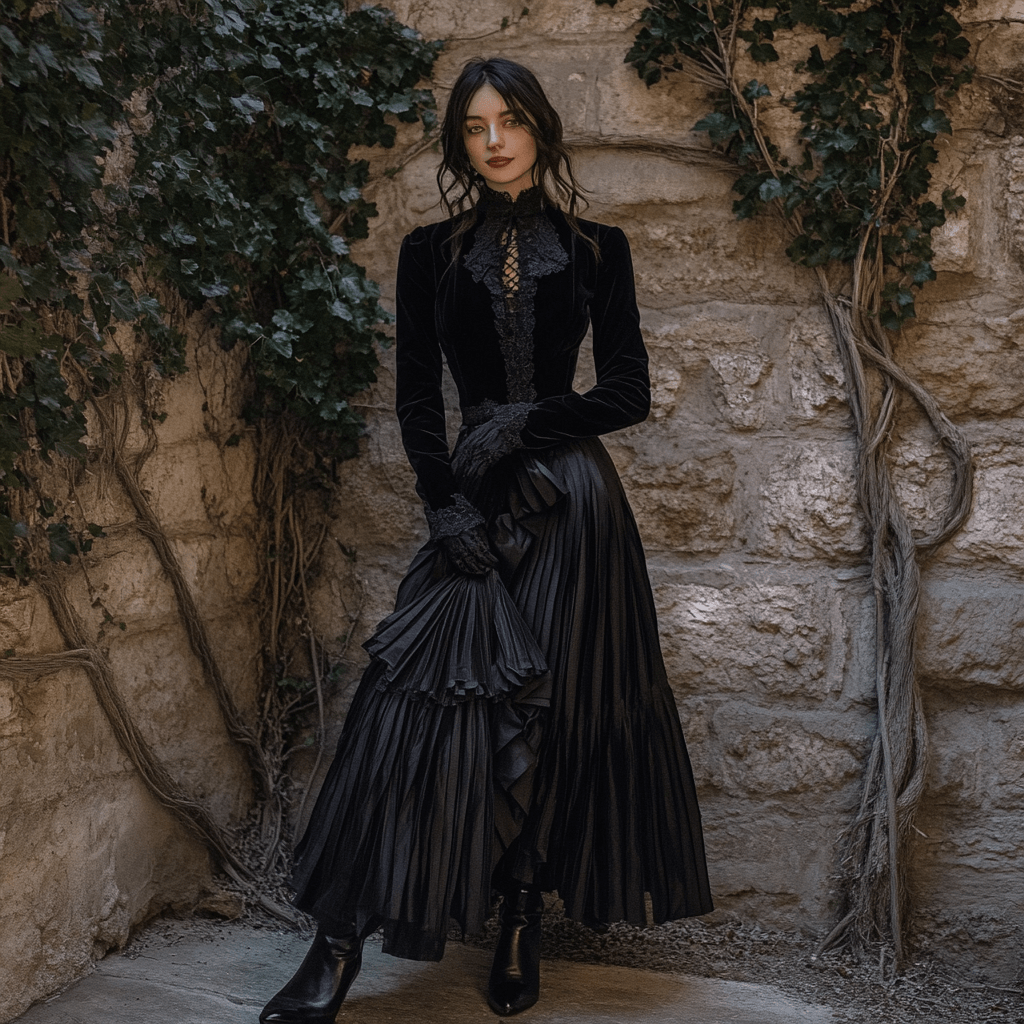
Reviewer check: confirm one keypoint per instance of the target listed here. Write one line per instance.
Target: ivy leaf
(10, 40)
(11, 291)
(85, 71)
(764, 53)
(341, 310)
(34, 226)
(62, 544)
(771, 189)
(177, 234)
(247, 104)
(23, 340)
(936, 122)
(43, 57)
(720, 127)
(280, 343)
(755, 90)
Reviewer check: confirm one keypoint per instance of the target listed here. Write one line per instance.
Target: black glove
(484, 445)
(470, 551)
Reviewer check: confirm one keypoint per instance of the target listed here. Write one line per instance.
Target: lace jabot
(515, 244)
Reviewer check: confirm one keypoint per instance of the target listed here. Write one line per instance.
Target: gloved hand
(480, 449)
(470, 551)
(484, 445)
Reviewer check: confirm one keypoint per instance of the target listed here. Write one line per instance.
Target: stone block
(967, 868)
(768, 864)
(619, 176)
(665, 384)
(125, 583)
(754, 752)
(685, 255)
(722, 363)
(960, 726)
(752, 638)
(995, 530)
(376, 502)
(670, 109)
(355, 589)
(220, 569)
(817, 380)
(971, 633)
(54, 739)
(197, 485)
(183, 724)
(967, 877)
(738, 395)
(681, 495)
(204, 401)
(984, 12)
(457, 22)
(973, 366)
(554, 18)
(26, 626)
(808, 503)
(82, 866)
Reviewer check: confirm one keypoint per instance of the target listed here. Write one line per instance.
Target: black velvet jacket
(513, 356)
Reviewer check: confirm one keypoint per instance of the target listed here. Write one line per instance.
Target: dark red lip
(499, 161)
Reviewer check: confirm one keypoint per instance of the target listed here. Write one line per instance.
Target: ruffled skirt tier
(519, 722)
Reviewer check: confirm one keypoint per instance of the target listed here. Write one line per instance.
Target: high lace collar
(501, 204)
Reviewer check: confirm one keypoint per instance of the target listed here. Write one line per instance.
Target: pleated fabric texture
(519, 722)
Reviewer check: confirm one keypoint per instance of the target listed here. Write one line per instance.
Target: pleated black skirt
(520, 723)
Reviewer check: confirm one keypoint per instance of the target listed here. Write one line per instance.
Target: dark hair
(519, 88)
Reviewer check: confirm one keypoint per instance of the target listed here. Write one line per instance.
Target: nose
(493, 137)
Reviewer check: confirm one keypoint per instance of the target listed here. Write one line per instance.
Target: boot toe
(294, 1015)
(508, 999)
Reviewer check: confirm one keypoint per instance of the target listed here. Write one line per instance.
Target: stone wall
(743, 482)
(86, 852)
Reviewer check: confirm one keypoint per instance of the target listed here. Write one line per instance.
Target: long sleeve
(622, 394)
(419, 402)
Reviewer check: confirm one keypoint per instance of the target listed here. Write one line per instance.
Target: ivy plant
(867, 155)
(237, 118)
(247, 171)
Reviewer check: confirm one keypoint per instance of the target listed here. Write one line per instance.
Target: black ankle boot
(515, 977)
(318, 988)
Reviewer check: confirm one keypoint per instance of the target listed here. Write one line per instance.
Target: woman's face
(499, 146)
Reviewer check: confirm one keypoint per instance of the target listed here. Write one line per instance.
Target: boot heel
(514, 983)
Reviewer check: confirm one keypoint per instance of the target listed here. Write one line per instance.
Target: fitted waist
(489, 409)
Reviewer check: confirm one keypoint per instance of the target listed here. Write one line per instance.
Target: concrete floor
(206, 973)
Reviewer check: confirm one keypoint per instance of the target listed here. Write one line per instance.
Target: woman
(515, 728)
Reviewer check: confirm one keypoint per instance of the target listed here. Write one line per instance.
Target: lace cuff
(453, 519)
(499, 432)
(510, 420)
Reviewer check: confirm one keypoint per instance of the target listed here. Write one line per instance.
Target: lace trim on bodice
(515, 244)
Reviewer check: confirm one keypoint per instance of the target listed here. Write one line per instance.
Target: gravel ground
(860, 989)
(853, 986)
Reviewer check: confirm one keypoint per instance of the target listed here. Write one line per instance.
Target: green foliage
(870, 108)
(247, 161)
(239, 194)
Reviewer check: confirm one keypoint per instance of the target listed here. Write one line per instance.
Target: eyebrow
(477, 117)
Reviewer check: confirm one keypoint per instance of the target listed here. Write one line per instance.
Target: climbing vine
(228, 125)
(856, 193)
(160, 161)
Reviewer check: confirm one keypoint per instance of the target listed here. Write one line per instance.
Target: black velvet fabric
(518, 724)
(443, 309)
